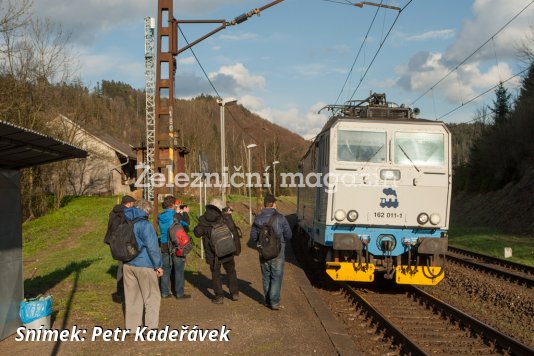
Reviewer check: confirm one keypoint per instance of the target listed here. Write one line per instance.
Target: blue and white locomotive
(384, 198)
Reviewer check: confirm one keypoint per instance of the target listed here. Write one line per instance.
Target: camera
(182, 207)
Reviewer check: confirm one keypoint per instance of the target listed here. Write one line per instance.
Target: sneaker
(166, 296)
(277, 307)
(235, 297)
(217, 300)
(185, 296)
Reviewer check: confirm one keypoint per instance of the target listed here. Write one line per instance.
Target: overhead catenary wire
(379, 48)
(341, 3)
(472, 54)
(213, 86)
(358, 54)
(482, 94)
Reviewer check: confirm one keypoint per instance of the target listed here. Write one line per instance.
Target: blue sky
(295, 57)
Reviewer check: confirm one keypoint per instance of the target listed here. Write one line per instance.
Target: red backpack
(180, 242)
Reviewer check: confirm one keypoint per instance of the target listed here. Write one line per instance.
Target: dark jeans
(272, 273)
(229, 267)
(120, 285)
(179, 266)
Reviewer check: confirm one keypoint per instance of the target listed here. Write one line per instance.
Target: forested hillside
(493, 185)
(198, 122)
(504, 151)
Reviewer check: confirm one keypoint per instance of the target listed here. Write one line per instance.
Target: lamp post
(249, 147)
(222, 103)
(274, 174)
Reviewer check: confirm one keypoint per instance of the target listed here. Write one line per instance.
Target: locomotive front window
(361, 146)
(419, 149)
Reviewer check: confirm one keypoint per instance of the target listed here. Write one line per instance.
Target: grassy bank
(491, 242)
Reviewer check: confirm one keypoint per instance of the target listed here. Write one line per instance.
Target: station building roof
(22, 148)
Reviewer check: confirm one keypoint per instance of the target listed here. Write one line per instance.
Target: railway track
(422, 324)
(516, 272)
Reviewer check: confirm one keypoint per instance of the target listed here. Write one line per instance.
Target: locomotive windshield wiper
(374, 154)
(403, 151)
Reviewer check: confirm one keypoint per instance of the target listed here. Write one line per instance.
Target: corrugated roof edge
(42, 134)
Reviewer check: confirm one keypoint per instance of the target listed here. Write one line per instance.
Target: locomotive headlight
(339, 215)
(435, 219)
(352, 215)
(390, 174)
(422, 218)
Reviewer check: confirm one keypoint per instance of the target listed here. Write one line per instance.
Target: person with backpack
(141, 289)
(270, 232)
(182, 214)
(221, 243)
(115, 217)
(166, 220)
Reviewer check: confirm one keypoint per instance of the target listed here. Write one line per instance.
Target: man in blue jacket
(140, 275)
(170, 260)
(272, 270)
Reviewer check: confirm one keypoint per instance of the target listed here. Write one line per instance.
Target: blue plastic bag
(33, 309)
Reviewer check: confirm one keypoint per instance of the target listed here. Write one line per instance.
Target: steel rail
(503, 341)
(494, 260)
(529, 282)
(401, 338)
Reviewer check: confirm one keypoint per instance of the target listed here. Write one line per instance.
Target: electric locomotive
(375, 193)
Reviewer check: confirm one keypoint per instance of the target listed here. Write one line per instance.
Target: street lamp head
(276, 162)
(227, 101)
(252, 145)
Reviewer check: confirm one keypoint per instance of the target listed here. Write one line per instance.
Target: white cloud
(109, 66)
(239, 37)
(426, 69)
(432, 35)
(233, 80)
(488, 17)
(251, 102)
(486, 68)
(307, 124)
(187, 60)
(88, 19)
(238, 76)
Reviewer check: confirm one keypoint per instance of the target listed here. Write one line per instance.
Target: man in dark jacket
(272, 270)
(141, 290)
(214, 214)
(115, 217)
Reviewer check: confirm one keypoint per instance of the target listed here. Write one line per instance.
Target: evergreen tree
(501, 105)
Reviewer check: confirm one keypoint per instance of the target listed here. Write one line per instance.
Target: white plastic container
(45, 322)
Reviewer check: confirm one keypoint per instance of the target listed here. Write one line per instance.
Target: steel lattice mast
(150, 85)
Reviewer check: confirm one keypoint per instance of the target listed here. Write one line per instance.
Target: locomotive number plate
(390, 215)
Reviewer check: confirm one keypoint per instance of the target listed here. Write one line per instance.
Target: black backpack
(122, 240)
(222, 240)
(269, 244)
